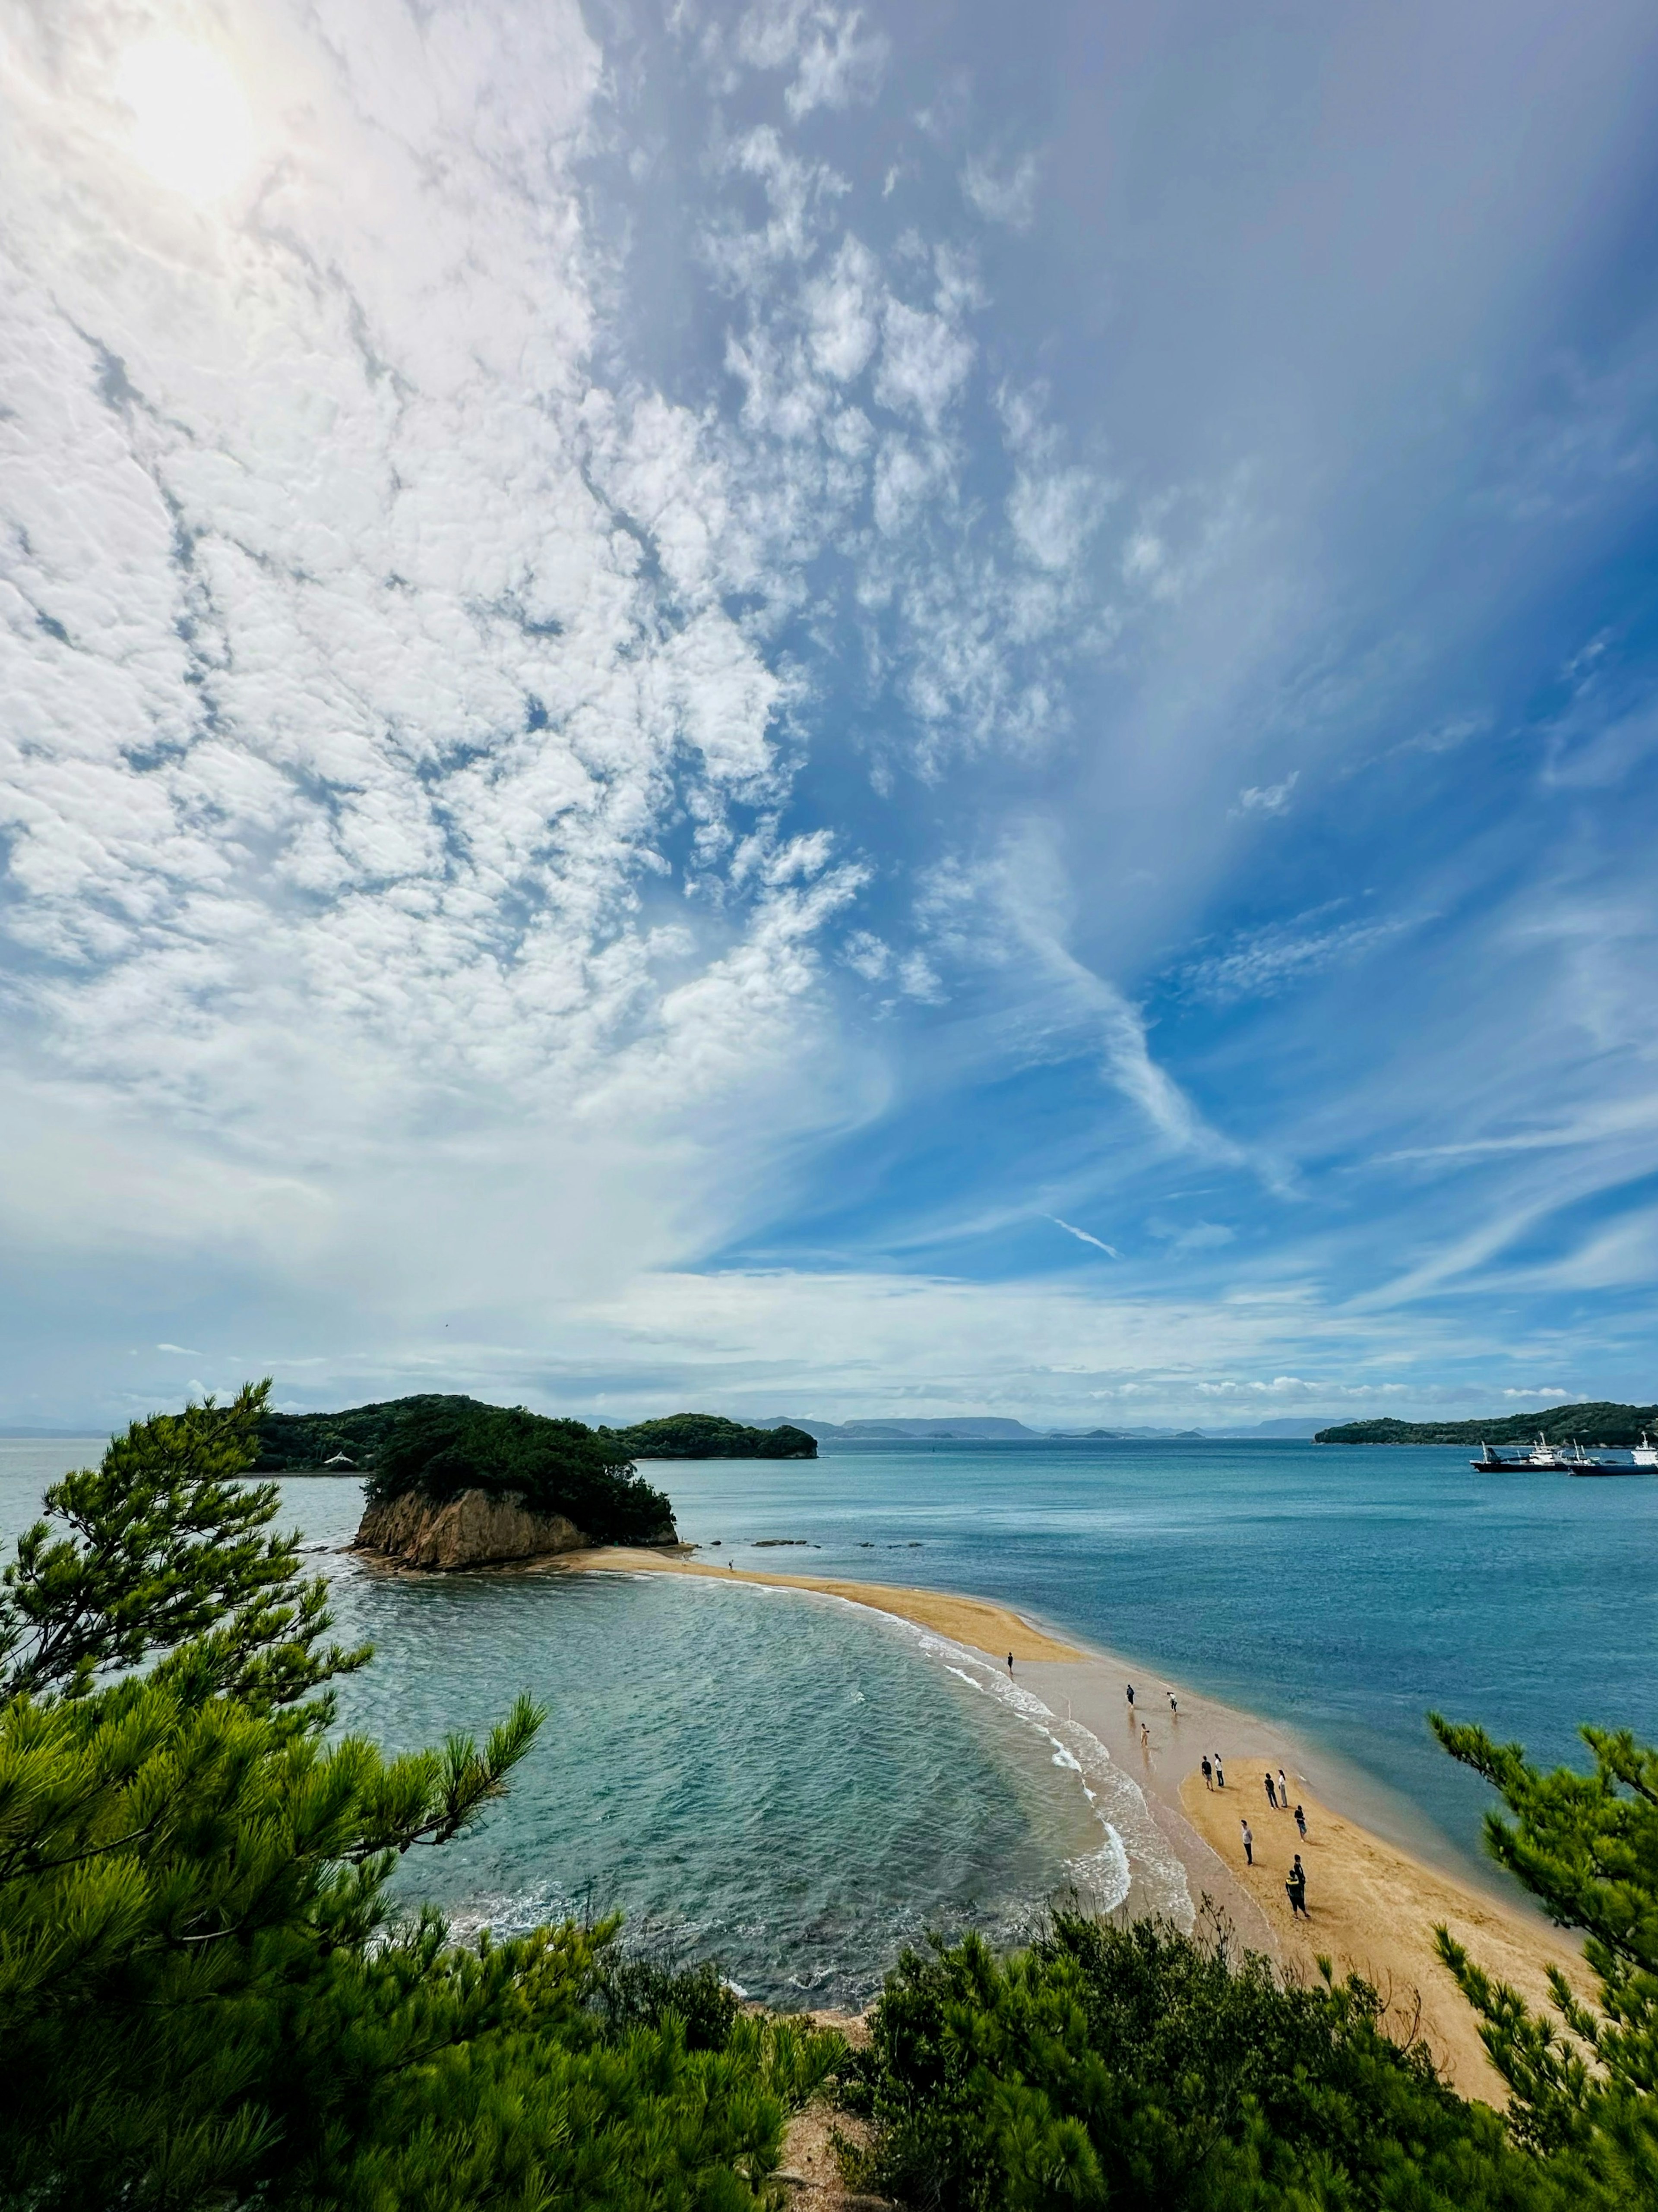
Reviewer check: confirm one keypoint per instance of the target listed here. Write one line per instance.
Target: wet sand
(991, 1628)
(1372, 1903)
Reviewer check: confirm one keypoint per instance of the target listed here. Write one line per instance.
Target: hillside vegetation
(297, 1443)
(1593, 1422)
(707, 1435)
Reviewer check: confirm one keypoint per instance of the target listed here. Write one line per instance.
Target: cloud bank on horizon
(825, 710)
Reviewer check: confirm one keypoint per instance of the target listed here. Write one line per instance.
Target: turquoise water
(1343, 1591)
(796, 1785)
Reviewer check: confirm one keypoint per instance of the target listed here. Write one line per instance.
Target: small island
(1593, 1422)
(452, 1482)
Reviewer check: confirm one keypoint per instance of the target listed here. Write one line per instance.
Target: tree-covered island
(1595, 1422)
(353, 1440)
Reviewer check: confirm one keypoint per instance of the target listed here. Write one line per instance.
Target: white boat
(1540, 1459)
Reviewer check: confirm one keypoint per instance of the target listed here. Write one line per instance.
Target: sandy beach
(1372, 1904)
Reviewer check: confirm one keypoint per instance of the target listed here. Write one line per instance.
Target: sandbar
(1372, 1904)
(993, 1628)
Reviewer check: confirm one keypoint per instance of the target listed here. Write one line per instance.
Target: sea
(797, 1787)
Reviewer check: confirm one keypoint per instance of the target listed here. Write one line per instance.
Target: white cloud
(360, 650)
(1054, 515)
(924, 361)
(1005, 195)
(1268, 799)
(835, 59)
(1083, 1236)
(1259, 963)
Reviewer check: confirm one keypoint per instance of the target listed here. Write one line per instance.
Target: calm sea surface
(796, 1785)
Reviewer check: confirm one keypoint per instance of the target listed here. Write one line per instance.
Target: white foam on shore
(1135, 1852)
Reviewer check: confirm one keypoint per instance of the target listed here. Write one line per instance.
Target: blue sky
(830, 709)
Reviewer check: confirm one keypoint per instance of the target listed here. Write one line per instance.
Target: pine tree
(204, 1996)
(1585, 1845)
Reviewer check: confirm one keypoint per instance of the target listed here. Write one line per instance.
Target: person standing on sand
(1271, 1799)
(1011, 1662)
(1131, 1693)
(1301, 1822)
(1283, 1792)
(1220, 1778)
(1208, 1774)
(1296, 1885)
(1145, 1737)
(1174, 1709)
(1249, 1844)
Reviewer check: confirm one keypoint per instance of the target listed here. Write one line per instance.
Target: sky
(836, 710)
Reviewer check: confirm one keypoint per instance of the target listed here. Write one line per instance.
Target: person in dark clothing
(1208, 1774)
(1301, 1822)
(1296, 1885)
(1011, 1662)
(1249, 1844)
(1271, 1795)
(1131, 1693)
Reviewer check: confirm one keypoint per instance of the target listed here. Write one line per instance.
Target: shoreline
(1373, 1902)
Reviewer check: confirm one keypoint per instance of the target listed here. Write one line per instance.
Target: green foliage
(1130, 2066)
(295, 1444)
(641, 1988)
(709, 1436)
(158, 1548)
(440, 1447)
(1595, 1422)
(206, 2000)
(1585, 1845)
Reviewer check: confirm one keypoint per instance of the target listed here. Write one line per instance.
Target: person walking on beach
(1208, 1774)
(1271, 1799)
(1220, 1778)
(1174, 1709)
(1283, 1792)
(1131, 1693)
(1296, 1885)
(1145, 1737)
(1249, 1844)
(1011, 1662)
(1301, 1822)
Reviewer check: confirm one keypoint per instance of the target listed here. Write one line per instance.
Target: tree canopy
(440, 1447)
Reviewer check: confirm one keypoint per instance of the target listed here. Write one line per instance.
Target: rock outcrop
(472, 1530)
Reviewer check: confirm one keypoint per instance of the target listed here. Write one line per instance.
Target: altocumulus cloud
(624, 666)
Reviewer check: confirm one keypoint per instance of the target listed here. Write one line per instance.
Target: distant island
(1594, 1423)
(351, 1442)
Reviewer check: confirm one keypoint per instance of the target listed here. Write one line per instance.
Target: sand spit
(991, 1628)
(1372, 1903)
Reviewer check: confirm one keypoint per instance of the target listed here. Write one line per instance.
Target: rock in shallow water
(472, 1530)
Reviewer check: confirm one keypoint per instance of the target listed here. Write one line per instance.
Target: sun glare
(192, 129)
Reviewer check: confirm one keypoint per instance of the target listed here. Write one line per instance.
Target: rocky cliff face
(472, 1530)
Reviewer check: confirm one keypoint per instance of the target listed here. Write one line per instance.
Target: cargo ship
(1537, 1459)
(1614, 1459)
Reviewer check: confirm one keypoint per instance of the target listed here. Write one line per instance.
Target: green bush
(1130, 2066)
